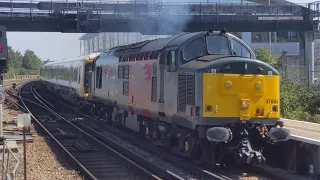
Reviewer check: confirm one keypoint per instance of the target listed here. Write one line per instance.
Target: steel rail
(166, 175)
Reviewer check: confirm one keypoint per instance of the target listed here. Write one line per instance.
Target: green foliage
(297, 101)
(27, 64)
(265, 55)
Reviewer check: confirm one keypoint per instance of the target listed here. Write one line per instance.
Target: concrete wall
(292, 48)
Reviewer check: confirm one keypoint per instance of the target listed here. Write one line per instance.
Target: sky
(57, 46)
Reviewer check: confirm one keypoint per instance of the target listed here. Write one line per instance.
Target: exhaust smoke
(165, 17)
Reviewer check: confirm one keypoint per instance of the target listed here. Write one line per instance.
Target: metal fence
(118, 10)
(9, 170)
(20, 77)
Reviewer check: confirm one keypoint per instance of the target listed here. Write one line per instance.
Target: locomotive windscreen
(218, 45)
(204, 46)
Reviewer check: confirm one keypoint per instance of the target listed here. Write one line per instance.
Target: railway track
(12, 100)
(94, 158)
(104, 132)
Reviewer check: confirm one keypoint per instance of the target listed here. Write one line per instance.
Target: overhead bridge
(155, 18)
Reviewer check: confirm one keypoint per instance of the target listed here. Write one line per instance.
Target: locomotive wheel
(147, 134)
(92, 109)
(80, 107)
(101, 113)
(192, 149)
(155, 137)
(196, 155)
(108, 116)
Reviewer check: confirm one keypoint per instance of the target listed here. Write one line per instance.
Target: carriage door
(87, 77)
(91, 80)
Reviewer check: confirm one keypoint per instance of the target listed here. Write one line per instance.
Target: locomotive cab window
(239, 49)
(171, 62)
(218, 44)
(194, 49)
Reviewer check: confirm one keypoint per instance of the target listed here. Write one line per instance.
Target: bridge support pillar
(307, 57)
(246, 37)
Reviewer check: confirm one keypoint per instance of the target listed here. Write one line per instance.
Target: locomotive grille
(154, 89)
(186, 91)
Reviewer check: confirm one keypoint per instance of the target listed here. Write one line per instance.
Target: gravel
(155, 160)
(176, 170)
(43, 159)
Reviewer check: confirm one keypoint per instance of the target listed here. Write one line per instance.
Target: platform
(304, 131)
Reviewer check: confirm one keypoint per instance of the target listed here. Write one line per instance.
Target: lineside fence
(10, 163)
(21, 77)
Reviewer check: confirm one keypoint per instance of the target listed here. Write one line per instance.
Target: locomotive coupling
(219, 134)
(279, 134)
(247, 155)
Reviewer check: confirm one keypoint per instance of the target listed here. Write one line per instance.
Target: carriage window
(132, 57)
(126, 72)
(218, 45)
(120, 72)
(78, 75)
(146, 56)
(99, 78)
(239, 49)
(141, 57)
(125, 90)
(88, 68)
(194, 49)
(152, 55)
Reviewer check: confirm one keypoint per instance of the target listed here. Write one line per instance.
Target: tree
(14, 58)
(265, 55)
(31, 62)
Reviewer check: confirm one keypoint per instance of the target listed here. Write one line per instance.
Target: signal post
(3, 69)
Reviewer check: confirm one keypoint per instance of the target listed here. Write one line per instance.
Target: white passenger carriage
(69, 78)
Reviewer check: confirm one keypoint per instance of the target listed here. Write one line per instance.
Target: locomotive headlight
(245, 103)
(228, 84)
(274, 108)
(258, 85)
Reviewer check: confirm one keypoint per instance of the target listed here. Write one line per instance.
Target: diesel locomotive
(203, 95)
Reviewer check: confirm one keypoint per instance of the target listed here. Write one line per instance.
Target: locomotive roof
(158, 44)
(79, 58)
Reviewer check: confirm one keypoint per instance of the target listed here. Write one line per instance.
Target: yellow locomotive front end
(243, 96)
(240, 106)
